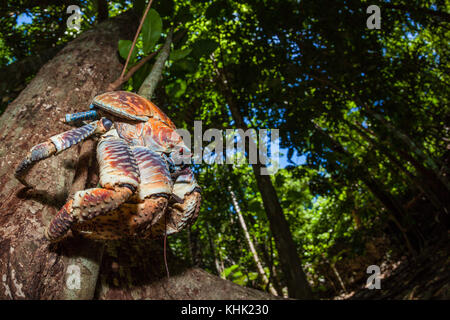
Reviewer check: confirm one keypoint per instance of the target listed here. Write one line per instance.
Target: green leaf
(176, 89)
(151, 30)
(179, 54)
(183, 15)
(185, 65)
(124, 48)
(253, 275)
(141, 74)
(229, 270)
(203, 48)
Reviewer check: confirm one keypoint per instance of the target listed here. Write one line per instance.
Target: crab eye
(107, 123)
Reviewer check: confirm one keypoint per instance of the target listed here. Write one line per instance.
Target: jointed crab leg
(59, 143)
(143, 210)
(86, 205)
(81, 116)
(119, 178)
(182, 213)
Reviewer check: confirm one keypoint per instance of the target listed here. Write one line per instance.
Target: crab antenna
(81, 116)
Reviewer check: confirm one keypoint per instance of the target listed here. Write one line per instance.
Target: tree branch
(122, 79)
(150, 83)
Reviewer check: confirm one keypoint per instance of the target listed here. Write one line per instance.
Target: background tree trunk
(298, 286)
(30, 267)
(251, 246)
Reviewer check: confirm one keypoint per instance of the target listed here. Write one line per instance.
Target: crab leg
(86, 205)
(81, 116)
(119, 178)
(143, 210)
(156, 187)
(185, 212)
(59, 143)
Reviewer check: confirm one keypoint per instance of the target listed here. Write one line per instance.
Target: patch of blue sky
(412, 35)
(24, 18)
(378, 103)
(274, 40)
(296, 160)
(353, 110)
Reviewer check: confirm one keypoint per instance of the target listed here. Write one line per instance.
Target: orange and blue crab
(145, 191)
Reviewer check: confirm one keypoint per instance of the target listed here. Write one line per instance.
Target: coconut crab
(145, 189)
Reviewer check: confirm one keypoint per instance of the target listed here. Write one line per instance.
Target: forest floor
(425, 277)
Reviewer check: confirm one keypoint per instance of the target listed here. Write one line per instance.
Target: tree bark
(30, 267)
(135, 270)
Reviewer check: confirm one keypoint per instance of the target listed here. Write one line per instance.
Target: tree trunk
(102, 10)
(384, 197)
(135, 270)
(255, 255)
(151, 81)
(268, 261)
(195, 250)
(212, 246)
(298, 286)
(30, 267)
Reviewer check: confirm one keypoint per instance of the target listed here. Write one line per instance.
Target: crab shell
(130, 106)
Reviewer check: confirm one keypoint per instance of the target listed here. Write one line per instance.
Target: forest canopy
(362, 114)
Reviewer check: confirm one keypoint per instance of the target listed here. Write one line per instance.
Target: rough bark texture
(30, 267)
(135, 270)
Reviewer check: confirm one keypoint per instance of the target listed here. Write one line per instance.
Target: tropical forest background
(363, 116)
